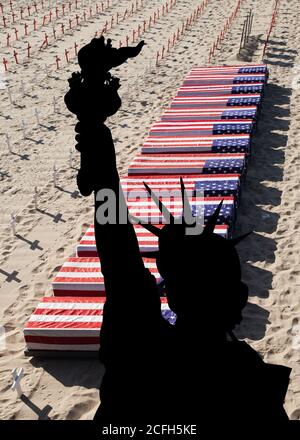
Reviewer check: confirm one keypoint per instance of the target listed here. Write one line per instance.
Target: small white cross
(23, 128)
(23, 88)
(54, 105)
(54, 175)
(9, 95)
(36, 193)
(13, 223)
(70, 158)
(8, 142)
(17, 376)
(36, 114)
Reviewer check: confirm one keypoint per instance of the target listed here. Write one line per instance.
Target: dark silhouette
(195, 371)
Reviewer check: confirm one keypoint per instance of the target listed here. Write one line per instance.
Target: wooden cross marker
(17, 376)
(16, 57)
(28, 50)
(57, 59)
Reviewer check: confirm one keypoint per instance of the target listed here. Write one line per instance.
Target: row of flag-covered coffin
(214, 112)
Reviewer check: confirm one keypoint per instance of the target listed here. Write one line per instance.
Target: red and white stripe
(187, 126)
(212, 70)
(210, 101)
(83, 277)
(146, 210)
(185, 144)
(147, 241)
(220, 89)
(67, 324)
(224, 79)
(133, 186)
(192, 114)
(176, 163)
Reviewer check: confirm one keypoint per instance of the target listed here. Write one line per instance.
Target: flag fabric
(70, 324)
(219, 89)
(211, 185)
(146, 210)
(146, 240)
(222, 101)
(187, 114)
(196, 78)
(155, 164)
(83, 277)
(200, 128)
(223, 70)
(233, 143)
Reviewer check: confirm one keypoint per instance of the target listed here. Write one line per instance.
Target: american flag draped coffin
(69, 324)
(224, 70)
(196, 78)
(147, 241)
(220, 89)
(233, 143)
(187, 114)
(147, 211)
(201, 128)
(83, 277)
(207, 102)
(211, 185)
(155, 164)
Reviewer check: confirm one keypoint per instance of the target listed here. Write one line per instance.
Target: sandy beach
(270, 205)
